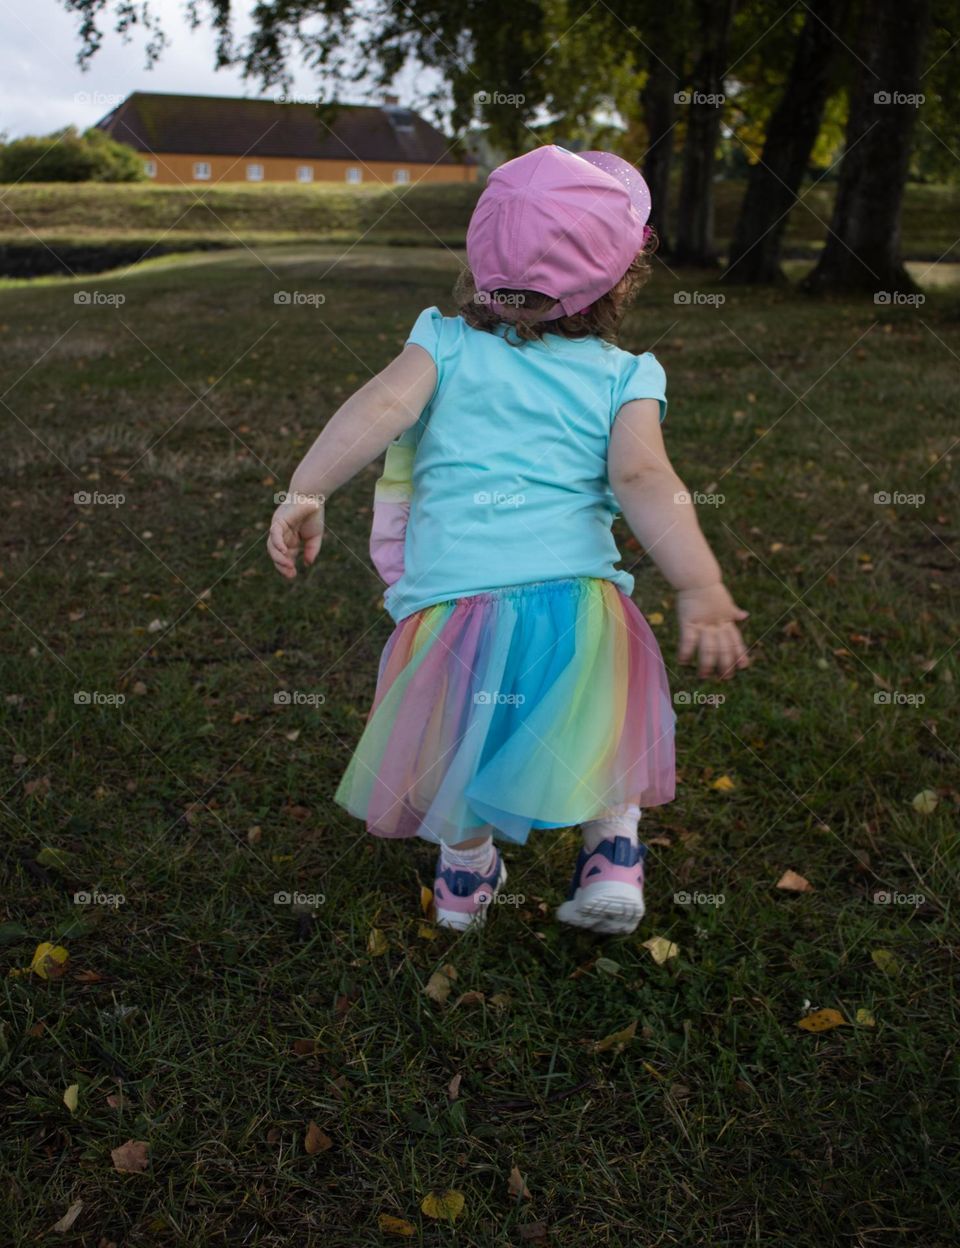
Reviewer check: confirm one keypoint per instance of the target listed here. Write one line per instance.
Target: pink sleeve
(387, 536)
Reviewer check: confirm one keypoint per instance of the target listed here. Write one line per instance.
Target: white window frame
(354, 175)
(255, 172)
(401, 176)
(202, 171)
(150, 168)
(304, 173)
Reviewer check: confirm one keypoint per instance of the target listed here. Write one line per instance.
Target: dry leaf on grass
(426, 931)
(723, 784)
(925, 803)
(617, 1040)
(794, 883)
(68, 1218)
(49, 961)
(865, 1017)
(71, 1097)
(823, 1020)
(395, 1226)
(426, 899)
(446, 1205)
(533, 1232)
(661, 949)
(885, 961)
(469, 998)
(453, 1087)
(132, 1157)
(516, 1186)
(376, 943)
(316, 1141)
(440, 983)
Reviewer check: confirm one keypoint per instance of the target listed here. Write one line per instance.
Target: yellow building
(197, 139)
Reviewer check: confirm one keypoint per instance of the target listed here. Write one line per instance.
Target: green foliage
(69, 156)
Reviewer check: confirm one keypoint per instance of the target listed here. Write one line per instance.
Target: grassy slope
(722, 1123)
(423, 214)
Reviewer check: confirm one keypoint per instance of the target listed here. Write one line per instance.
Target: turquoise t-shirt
(510, 469)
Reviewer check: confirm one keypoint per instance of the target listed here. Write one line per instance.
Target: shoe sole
(459, 921)
(612, 907)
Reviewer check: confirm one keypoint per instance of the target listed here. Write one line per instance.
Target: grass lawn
(214, 1024)
(73, 217)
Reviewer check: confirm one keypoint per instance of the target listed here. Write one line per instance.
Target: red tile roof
(213, 125)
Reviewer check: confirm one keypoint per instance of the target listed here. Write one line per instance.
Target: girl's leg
(476, 852)
(468, 876)
(621, 821)
(606, 894)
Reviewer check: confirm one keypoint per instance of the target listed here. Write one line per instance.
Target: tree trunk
(775, 179)
(659, 112)
(862, 251)
(695, 243)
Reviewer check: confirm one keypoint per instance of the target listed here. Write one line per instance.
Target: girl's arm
(658, 508)
(359, 431)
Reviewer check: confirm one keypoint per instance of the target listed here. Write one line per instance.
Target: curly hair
(601, 319)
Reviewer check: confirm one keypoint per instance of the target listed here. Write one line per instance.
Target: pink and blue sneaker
(462, 898)
(606, 893)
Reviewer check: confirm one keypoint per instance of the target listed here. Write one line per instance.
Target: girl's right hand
(707, 624)
(292, 524)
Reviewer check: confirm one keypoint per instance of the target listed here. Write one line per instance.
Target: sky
(42, 88)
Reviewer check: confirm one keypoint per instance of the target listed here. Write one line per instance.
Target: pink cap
(563, 224)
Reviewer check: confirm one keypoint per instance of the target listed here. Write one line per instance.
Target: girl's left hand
(292, 524)
(708, 619)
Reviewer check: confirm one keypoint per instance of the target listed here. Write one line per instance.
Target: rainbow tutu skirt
(534, 706)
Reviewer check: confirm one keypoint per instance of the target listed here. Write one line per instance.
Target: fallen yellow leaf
(794, 883)
(316, 1141)
(823, 1020)
(516, 1186)
(71, 1098)
(49, 961)
(865, 1018)
(395, 1226)
(447, 1205)
(925, 803)
(132, 1157)
(377, 943)
(68, 1219)
(469, 998)
(661, 949)
(440, 983)
(886, 961)
(426, 931)
(723, 784)
(426, 899)
(617, 1040)
(654, 618)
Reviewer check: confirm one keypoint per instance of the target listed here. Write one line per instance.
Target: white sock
(621, 821)
(479, 859)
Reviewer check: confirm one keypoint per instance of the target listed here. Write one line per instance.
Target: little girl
(521, 687)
